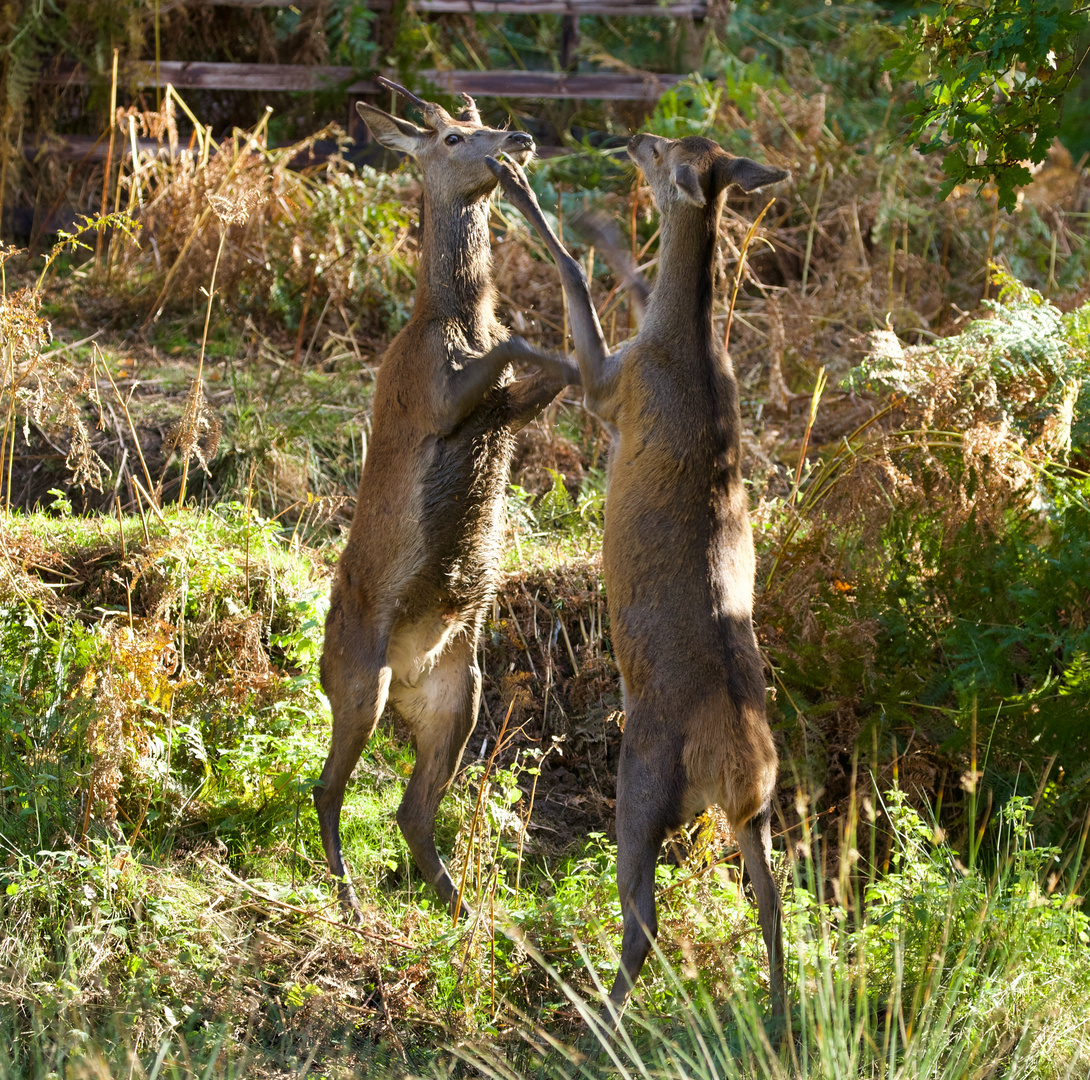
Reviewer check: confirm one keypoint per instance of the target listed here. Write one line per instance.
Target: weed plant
(931, 968)
(933, 562)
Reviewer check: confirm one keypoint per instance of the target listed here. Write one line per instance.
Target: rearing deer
(677, 554)
(419, 571)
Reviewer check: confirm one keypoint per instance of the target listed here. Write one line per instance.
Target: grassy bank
(165, 906)
(914, 391)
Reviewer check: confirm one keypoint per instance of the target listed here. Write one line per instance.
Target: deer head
(695, 170)
(451, 151)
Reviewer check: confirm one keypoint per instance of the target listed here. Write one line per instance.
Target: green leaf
(990, 95)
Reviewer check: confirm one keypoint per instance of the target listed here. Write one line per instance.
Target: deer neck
(681, 302)
(454, 275)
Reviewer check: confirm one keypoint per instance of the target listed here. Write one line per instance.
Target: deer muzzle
(520, 145)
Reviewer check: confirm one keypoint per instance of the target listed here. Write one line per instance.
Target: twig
(150, 501)
(71, 345)
(348, 335)
(369, 935)
(810, 232)
(386, 1013)
(317, 327)
(8, 428)
(991, 249)
(525, 829)
(109, 160)
(140, 507)
(567, 643)
(97, 353)
(563, 293)
(456, 899)
(819, 388)
(303, 317)
(87, 811)
(124, 559)
(198, 387)
(522, 637)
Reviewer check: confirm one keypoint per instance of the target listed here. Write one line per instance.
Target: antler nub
(469, 113)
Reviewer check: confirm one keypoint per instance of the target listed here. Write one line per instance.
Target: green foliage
(945, 558)
(120, 716)
(350, 31)
(994, 74)
(556, 519)
(686, 109)
(353, 221)
(41, 726)
(1013, 364)
(925, 972)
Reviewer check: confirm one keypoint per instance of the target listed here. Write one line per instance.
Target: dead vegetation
(876, 501)
(319, 268)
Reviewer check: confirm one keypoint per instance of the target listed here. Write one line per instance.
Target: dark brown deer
(420, 568)
(677, 555)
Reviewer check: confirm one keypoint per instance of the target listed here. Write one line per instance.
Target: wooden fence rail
(674, 9)
(608, 85)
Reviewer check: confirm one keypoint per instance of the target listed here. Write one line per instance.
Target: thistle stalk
(230, 212)
(191, 409)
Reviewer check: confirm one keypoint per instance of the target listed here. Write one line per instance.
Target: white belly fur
(414, 649)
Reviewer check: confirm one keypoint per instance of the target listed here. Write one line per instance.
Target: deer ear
(391, 131)
(687, 181)
(748, 175)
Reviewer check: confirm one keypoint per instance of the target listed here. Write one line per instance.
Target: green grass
(164, 908)
(930, 970)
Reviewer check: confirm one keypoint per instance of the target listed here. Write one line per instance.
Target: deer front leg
(597, 229)
(467, 387)
(599, 369)
(528, 396)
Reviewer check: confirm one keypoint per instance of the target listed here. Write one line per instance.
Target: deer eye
(453, 139)
(655, 153)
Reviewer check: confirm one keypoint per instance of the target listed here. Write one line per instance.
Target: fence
(603, 85)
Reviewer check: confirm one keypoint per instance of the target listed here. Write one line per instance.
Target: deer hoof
(510, 175)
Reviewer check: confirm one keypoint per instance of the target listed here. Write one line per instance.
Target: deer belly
(415, 647)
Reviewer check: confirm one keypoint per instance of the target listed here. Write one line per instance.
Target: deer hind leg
(442, 711)
(356, 680)
(646, 813)
(755, 840)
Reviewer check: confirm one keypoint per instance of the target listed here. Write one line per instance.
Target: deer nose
(522, 139)
(634, 142)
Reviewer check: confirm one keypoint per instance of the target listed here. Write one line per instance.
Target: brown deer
(677, 555)
(419, 571)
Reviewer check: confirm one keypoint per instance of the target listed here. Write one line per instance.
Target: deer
(420, 567)
(677, 551)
